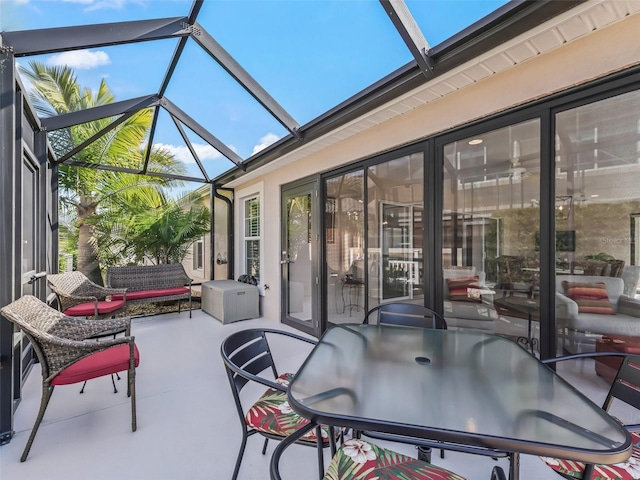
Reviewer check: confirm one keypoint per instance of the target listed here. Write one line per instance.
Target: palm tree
(92, 192)
(165, 235)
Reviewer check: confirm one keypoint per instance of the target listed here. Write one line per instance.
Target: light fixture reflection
(475, 141)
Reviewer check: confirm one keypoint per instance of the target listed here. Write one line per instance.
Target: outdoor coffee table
(528, 306)
(465, 388)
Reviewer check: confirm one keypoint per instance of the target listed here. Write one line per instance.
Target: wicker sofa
(582, 329)
(152, 283)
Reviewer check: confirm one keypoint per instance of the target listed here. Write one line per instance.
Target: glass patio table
(464, 388)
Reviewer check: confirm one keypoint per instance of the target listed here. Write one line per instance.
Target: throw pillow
(590, 297)
(458, 288)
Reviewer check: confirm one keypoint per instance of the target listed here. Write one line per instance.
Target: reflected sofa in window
(588, 307)
(467, 300)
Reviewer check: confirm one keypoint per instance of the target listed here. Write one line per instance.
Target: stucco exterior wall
(603, 52)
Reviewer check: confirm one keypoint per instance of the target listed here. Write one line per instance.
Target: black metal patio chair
(625, 388)
(248, 357)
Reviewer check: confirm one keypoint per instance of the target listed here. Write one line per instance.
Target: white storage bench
(230, 301)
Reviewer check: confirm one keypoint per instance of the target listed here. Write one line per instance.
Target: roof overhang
(513, 34)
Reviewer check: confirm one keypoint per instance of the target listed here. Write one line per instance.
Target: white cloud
(102, 4)
(265, 141)
(80, 59)
(182, 153)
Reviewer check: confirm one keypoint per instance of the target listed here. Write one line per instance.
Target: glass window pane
(252, 236)
(596, 214)
(253, 258)
(344, 232)
(396, 229)
(491, 217)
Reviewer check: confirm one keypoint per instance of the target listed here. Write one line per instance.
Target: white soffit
(565, 28)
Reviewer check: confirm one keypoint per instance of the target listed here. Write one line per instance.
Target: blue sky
(310, 55)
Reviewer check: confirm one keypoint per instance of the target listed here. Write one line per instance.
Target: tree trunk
(88, 244)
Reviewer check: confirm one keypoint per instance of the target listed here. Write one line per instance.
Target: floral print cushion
(272, 414)
(359, 460)
(628, 470)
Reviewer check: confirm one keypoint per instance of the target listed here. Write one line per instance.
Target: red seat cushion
(86, 309)
(105, 362)
(160, 292)
(272, 414)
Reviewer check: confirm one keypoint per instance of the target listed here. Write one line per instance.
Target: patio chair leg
(588, 472)
(47, 390)
(83, 385)
(240, 454)
(320, 448)
(131, 392)
(332, 440)
(113, 381)
(264, 447)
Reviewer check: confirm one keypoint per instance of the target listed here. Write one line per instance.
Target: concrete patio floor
(188, 427)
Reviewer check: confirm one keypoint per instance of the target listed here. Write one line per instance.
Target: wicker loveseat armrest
(68, 301)
(102, 292)
(187, 280)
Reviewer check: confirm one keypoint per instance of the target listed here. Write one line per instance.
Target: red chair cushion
(160, 292)
(272, 414)
(459, 288)
(361, 460)
(86, 309)
(629, 470)
(105, 362)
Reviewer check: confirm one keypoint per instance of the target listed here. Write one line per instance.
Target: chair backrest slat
(248, 351)
(626, 386)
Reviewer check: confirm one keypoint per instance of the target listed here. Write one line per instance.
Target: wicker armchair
(69, 353)
(80, 297)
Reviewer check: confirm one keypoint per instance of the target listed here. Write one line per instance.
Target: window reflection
(491, 218)
(344, 232)
(596, 209)
(391, 269)
(396, 230)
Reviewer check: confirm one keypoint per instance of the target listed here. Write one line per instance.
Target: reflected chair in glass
(512, 276)
(626, 388)
(80, 297)
(68, 351)
(248, 358)
(407, 315)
